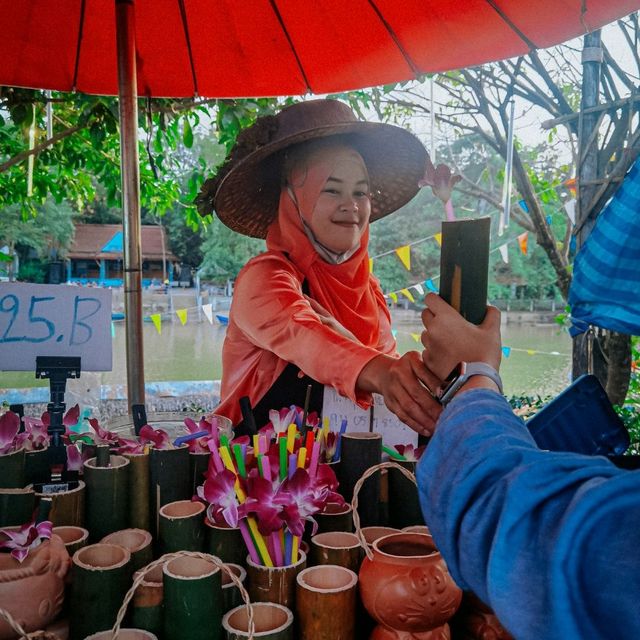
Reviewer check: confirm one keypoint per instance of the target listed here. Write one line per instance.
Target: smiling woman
(307, 313)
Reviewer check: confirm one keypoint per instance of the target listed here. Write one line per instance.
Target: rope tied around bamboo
(356, 490)
(180, 554)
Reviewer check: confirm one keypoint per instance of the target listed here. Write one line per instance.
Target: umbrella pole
(127, 92)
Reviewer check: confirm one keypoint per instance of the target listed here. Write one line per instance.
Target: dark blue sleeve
(550, 541)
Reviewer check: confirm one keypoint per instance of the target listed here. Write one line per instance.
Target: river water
(538, 362)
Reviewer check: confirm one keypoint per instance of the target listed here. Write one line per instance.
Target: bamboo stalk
(16, 506)
(137, 541)
(12, 470)
(67, 502)
(107, 501)
(36, 466)
(146, 612)
(272, 621)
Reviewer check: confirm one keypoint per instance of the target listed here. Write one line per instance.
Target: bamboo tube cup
(361, 451)
(272, 622)
(12, 470)
(146, 612)
(169, 480)
(161, 562)
(181, 526)
(139, 517)
(274, 584)
(137, 541)
(192, 599)
(225, 542)
(337, 547)
(16, 506)
(326, 603)
(67, 504)
(74, 538)
(335, 517)
(99, 582)
(404, 502)
(124, 634)
(107, 497)
(36, 466)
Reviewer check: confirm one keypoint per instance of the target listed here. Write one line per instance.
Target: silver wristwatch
(459, 376)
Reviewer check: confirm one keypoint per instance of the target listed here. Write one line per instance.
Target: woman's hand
(327, 319)
(405, 386)
(449, 339)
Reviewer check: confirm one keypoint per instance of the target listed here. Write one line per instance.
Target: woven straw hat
(245, 192)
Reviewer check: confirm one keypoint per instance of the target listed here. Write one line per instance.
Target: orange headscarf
(346, 290)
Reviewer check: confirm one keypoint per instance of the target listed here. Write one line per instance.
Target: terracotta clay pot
(371, 534)
(406, 568)
(475, 621)
(33, 591)
(123, 634)
(272, 622)
(326, 603)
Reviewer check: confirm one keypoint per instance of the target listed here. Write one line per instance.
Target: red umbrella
(234, 48)
(222, 48)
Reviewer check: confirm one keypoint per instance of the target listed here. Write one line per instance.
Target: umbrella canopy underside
(242, 48)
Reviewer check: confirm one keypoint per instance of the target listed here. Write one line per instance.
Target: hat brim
(247, 198)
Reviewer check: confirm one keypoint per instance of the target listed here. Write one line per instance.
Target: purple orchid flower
(157, 437)
(409, 452)
(102, 436)
(261, 502)
(35, 436)
(9, 427)
(28, 537)
(282, 419)
(219, 492)
(300, 500)
(70, 418)
(201, 445)
(126, 445)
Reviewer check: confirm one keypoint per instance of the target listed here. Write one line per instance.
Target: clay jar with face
(406, 588)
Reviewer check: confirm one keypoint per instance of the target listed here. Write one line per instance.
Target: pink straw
(248, 540)
(215, 457)
(274, 538)
(313, 465)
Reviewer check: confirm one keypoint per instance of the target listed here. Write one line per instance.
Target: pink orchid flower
(70, 418)
(261, 502)
(158, 437)
(441, 181)
(282, 419)
(9, 427)
(409, 452)
(201, 444)
(29, 536)
(35, 436)
(102, 436)
(126, 445)
(299, 501)
(218, 490)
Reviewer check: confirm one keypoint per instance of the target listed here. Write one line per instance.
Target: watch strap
(470, 369)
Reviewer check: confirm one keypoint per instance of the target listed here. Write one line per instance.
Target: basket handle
(178, 554)
(14, 624)
(356, 490)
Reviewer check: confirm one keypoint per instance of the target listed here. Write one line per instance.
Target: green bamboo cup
(146, 609)
(12, 470)
(225, 542)
(137, 541)
(181, 526)
(231, 596)
(272, 622)
(107, 496)
(192, 599)
(67, 502)
(139, 515)
(74, 538)
(37, 467)
(100, 577)
(16, 506)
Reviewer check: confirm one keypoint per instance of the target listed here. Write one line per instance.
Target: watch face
(450, 380)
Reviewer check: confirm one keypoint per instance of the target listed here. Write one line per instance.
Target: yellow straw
(302, 457)
(256, 444)
(291, 436)
(242, 496)
(294, 550)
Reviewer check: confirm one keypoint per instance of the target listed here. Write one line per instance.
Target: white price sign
(54, 320)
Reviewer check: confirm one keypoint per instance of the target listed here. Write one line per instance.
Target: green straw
(393, 453)
(237, 452)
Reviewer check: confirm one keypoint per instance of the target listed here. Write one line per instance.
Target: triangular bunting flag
(506, 351)
(438, 239)
(571, 185)
(208, 311)
(419, 289)
(549, 219)
(570, 208)
(404, 253)
(182, 314)
(416, 336)
(523, 206)
(407, 293)
(522, 241)
(531, 352)
(370, 265)
(156, 318)
(504, 252)
(394, 332)
(429, 284)
(113, 329)
(394, 296)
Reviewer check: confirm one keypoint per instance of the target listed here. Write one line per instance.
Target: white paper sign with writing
(54, 320)
(378, 418)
